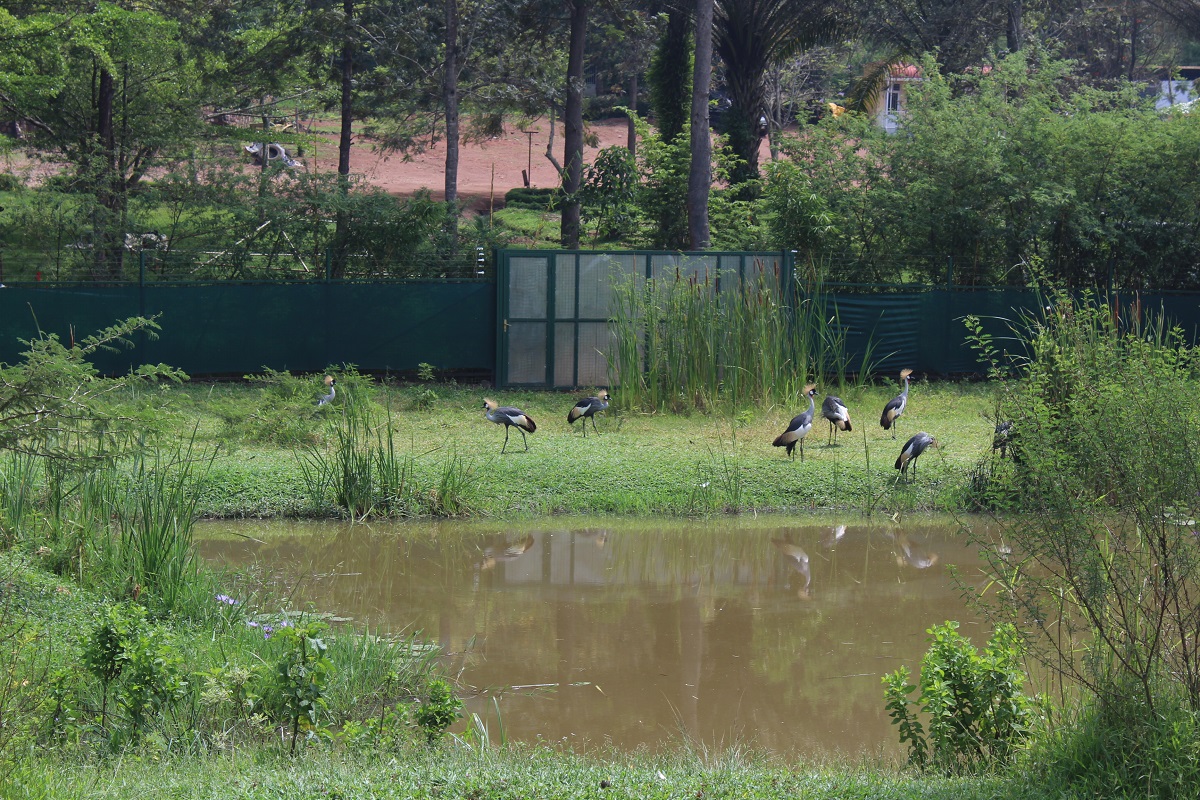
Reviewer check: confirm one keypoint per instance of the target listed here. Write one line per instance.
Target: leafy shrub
(438, 711)
(977, 714)
(137, 659)
(798, 217)
(1106, 465)
(533, 199)
(293, 691)
(609, 190)
(423, 397)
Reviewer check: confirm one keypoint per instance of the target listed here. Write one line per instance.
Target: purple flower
(252, 623)
(267, 631)
(226, 599)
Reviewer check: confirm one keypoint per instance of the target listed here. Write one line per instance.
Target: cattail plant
(688, 341)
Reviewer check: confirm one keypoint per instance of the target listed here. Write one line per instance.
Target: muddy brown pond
(772, 633)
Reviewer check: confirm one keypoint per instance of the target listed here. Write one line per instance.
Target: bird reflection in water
(499, 548)
(597, 537)
(912, 554)
(831, 537)
(797, 559)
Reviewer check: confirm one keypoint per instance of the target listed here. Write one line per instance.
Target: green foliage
(663, 165)
(844, 165)
(52, 403)
(533, 199)
(670, 78)
(140, 660)
(1120, 748)
(367, 473)
(294, 690)
(996, 168)
(152, 554)
(609, 190)
(282, 410)
(438, 711)
(977, 714)
(1102, 463)
(798, 217)
(735, 221)
(152, 678)
(425, 396)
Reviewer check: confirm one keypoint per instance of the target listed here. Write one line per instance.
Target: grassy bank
(639, 464)
(509, 773)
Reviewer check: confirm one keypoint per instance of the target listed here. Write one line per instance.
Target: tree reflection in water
(772, 632)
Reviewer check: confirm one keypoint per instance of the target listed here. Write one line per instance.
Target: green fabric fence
(231, 329)
(924, 330)
(237, 328)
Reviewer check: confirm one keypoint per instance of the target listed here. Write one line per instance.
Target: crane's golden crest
(329, 380)
(904, 373)
(809, 387)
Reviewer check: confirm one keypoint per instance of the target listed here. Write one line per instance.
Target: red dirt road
(485, 169)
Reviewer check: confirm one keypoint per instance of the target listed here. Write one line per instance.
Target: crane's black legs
(597, 430)
(523, 439)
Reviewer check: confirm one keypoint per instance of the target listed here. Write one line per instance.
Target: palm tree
(750, 36)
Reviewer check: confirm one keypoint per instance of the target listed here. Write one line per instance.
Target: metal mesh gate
(553, 307)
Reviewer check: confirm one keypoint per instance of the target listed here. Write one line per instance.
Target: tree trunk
(573, 127)
(744, 127)
(341, 234)
(1016, 30)
(669, 93)
(631, 129)
(450, 98)
(106, 249)
(700, 173)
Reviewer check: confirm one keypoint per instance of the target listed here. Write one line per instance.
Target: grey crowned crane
(799, 427)
(895, 406)
(587, 408)
(509, 417)
(834, 410)
(1002, 437)
(328, 398)
(912, 450)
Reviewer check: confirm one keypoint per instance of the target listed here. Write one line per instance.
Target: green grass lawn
(638, 463)
(468, 772)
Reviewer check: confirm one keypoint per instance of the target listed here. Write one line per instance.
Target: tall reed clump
(364, 472)
(686, 342)
(153, 551)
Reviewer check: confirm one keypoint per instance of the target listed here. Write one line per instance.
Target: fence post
(144, 338)
(949, 271)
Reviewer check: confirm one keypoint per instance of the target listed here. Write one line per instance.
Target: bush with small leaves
(977, 713)
(439, 711)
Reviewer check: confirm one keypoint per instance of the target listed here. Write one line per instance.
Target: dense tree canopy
(1007, 153)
